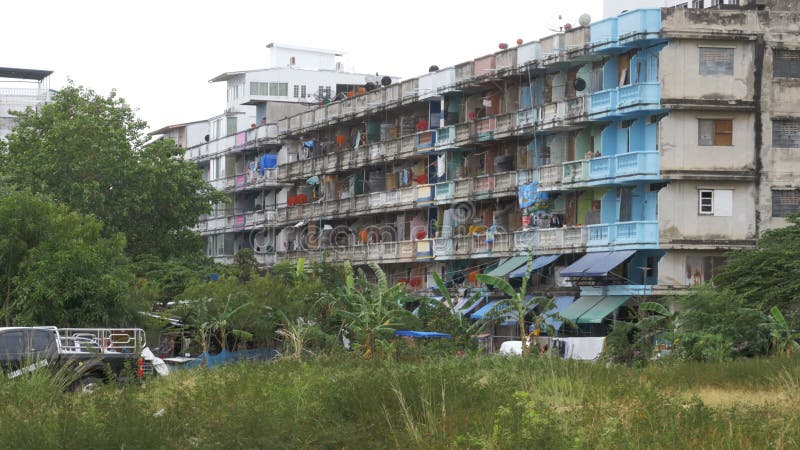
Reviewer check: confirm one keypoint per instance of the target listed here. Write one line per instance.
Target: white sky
(159, 55)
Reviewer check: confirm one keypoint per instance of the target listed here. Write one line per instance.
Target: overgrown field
(470, 402)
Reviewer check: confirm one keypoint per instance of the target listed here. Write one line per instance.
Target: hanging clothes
(441, 167)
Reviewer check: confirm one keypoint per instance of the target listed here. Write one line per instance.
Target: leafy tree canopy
(58, 268)
(88, 152)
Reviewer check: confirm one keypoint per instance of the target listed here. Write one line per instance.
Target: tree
(784, 340)
(372, 310)
(58, 269)
(518, 305)
(88, 152)
(767, 276)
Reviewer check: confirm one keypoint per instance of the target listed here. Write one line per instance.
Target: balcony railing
(603, 102)
(644, 163)
(550, 175)
(639, 24)
(601, 168)
(623, 233)
(639, 94)
(575, 172)
(603, 34)
(484, 128)
(526, 118)
(445, 137)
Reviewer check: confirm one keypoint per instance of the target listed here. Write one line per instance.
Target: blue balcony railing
(643, 232)
(603, 34)
(638, 25)
(443, 191)
(639, 95)
(603, 102)
(425, 140)
(600, 235)
(635, 165)
(445, 137)
(601, 168)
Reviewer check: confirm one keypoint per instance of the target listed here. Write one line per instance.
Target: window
(697, 3)
(296, 91)
(786, 133)
(716, 61)
(785, 202)
(715, 202)
(12, 342)
(700, 269)
(717, 132)
(272, 89)
(41, 340)
(279, 89)
(786, 63)
(259, 88)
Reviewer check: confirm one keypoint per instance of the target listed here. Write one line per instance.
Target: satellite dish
(370, 86)
(567, 26)
(433, 68)
(340, 96)
(387, 80)
(585, 20)
(579, 84)
(502, 45)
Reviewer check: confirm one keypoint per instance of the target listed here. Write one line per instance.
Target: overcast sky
(159, 55)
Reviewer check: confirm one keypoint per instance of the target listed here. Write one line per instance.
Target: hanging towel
(441, 168)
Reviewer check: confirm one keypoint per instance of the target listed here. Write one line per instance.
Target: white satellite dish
(585, 20)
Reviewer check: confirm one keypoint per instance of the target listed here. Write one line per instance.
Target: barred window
(785, 202)
(716, 61)
(786, 63)
(786, 133)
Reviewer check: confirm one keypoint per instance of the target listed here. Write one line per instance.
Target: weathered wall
(680, 149)
(680, 75)
(679, 218)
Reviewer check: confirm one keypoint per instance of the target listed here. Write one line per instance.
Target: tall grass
(476, 402)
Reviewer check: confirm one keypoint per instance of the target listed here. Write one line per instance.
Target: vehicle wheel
(86, 384)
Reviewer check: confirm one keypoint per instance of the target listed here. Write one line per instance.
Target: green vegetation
(469, 402)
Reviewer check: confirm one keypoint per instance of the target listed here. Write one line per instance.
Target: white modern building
(20, 88)
(238, 150)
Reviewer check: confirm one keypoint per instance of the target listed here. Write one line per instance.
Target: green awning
(603, 308)
(507, 266)
(580, 306)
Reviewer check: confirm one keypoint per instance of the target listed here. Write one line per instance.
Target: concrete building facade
(627, 156)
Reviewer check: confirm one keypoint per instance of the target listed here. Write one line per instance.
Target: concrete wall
(680, 76)
(303, 58)
(679, 218)
(679, 142)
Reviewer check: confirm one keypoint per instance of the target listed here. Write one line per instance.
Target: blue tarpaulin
(527, 194)
(422, 334)
(226, 357)
(561, 302)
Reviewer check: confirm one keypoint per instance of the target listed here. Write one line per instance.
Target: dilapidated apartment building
(627, 155)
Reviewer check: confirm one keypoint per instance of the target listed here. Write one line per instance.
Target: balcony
(601, 169)
(603, 35)
(443, 248)
(639, 96)
(550, 176)
(443, 192)
(526, 118)
(639, 26)
(575, 173)
(637, 166)
(430, 83)
(603, 103)
(528, 53)
(484, 128)
(426, 140)
(445, 138)
(622, 235)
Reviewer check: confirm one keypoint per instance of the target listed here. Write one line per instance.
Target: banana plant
(372, 309)
(784, 340)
